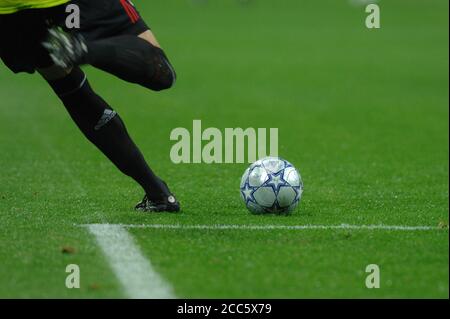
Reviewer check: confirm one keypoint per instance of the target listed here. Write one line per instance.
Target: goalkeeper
(113, 37)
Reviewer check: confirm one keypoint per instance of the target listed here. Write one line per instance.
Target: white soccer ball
(271, 185)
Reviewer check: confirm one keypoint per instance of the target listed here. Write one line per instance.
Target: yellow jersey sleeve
(11, 6)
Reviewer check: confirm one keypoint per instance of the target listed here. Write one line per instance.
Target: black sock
(105, 129)
(132, 59)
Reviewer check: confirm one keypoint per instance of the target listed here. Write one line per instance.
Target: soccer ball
(271, 185)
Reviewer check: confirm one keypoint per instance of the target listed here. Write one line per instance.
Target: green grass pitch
(362, 113)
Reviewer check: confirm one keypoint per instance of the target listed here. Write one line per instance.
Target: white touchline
(141, 281)
(285, 227)
(133, 270)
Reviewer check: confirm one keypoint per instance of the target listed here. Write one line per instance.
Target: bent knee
(164, 83)
(161, 75)
(164, 77)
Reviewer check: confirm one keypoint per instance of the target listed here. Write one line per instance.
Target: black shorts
(102, 19)
(22, 33)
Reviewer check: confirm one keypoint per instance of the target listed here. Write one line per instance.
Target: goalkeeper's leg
(106, 130)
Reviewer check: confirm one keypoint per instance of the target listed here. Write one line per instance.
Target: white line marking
(286, 227)
(134, 271)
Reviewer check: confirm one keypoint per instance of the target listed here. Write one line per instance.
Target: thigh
(21, 35)
(16, 45)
